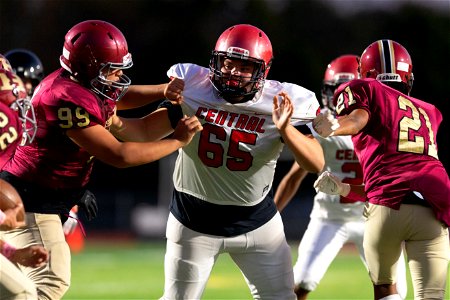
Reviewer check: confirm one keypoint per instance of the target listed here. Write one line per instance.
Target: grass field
(135, 271)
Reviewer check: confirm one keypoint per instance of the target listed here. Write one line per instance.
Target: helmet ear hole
(75, 38)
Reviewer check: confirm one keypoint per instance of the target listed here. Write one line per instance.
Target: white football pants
(263, 256)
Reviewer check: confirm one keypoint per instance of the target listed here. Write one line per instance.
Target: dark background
(306, 36)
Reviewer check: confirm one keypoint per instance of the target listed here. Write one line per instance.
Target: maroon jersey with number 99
(53, 160)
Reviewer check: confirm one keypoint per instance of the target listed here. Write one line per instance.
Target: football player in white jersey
(335, 220)
(223, 198)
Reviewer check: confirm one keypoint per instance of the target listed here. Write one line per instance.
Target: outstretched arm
(327, 125)
(289, 185)
(31, 256)
(306, 149)
(140, 95)
(100, 143)
(328, 183)
(151, 127)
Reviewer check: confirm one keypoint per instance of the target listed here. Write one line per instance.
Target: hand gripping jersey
(232, 161)
(342, 161)
(397, 149)
(53, 160)
(10, 133)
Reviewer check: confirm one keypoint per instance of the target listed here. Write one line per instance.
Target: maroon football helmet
(388, 62)
(342, 69)
(14, 95)
(244, 42)
(94, 49)
(5, 64)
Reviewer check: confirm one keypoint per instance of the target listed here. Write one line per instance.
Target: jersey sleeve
(306, 105)
(79, 109)
(353, 95)
(190, 73)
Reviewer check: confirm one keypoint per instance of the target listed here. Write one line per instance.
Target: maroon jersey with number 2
(10, 133)
(397, 149)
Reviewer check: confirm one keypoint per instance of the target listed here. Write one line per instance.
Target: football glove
(71, 223)
(328, 183)
(88, 204)
(325, 124)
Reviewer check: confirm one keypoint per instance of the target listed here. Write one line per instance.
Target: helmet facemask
(113, 90)
(342, 69)
(330, 86)
(232, 87)
(27, 117)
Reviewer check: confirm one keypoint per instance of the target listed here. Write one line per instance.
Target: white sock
(392, 297)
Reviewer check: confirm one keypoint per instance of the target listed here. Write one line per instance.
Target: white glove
(325, 124)
(71, 223)
(328, 183)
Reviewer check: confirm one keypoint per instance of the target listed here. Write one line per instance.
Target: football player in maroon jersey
(28, 66)
(335, 219)
(14, 106)
(74, 108)
(407, 187)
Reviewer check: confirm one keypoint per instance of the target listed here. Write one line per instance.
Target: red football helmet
(244, 42)
(342, 69)
(14, 95)
(94, 49)
(5, 64)
(388, 62)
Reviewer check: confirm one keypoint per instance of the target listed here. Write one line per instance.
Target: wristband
(173, 110)
(8, 250)
(2, 217)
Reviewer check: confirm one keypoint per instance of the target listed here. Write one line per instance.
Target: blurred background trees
(305, 34)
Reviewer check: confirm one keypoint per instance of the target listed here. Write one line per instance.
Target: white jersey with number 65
(232, 161)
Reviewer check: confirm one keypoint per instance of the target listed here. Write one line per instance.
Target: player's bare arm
(306, 150)
(140, 95)
(327, 125)
(352, 123)
(152, 127)
(32, 256)
(289, 185)
(100, 143)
